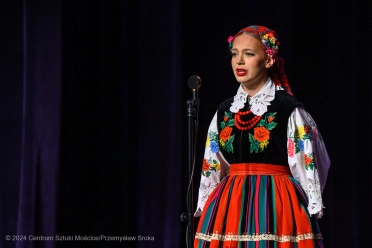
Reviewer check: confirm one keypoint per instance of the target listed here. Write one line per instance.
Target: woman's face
(249, 62)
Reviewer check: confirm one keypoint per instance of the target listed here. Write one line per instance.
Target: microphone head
(194, 82)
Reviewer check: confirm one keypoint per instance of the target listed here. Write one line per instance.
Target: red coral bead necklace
(245, 125)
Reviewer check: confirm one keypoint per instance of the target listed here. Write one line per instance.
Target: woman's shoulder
(284, 98)
(225, 105)
(286, 102)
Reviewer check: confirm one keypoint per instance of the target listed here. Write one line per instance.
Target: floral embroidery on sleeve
(209, 166)
(260, 138)
(309, 161)
(296, 144)
(226, 139)
(212, 142)
(306, 154)
(212, 166)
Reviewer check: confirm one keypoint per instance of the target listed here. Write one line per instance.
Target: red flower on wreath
(225, 133)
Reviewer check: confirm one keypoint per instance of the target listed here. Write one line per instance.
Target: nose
(240, 60)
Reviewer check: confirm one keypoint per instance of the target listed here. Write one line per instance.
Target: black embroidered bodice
(266, 142)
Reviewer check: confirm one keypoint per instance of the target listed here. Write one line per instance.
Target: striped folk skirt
(257, 205)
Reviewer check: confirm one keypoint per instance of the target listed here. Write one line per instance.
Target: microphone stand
(192, 115)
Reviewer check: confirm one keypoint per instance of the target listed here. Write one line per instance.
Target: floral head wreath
(270, 45)
(267, 36)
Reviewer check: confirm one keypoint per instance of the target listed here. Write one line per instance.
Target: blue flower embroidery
(214, 147)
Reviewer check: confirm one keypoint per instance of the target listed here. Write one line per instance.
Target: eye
(234, 54)
(249, 54)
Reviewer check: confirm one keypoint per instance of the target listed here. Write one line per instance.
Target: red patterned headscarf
(270, 43)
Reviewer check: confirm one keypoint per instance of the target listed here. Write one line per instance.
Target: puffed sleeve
(308, 158)
(214, 166)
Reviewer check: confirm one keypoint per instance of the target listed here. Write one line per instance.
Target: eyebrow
(245, 49)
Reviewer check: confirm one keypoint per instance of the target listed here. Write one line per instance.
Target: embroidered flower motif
(261, 134)
(264, 144)
(226, 139)
(206, 165)
(301, 132)
(225, 133)
(300, 145)
(209, 166)
(309, 161)
(290, 148)
(213, 142)
(216, 165)
(261, 137)
(297, 142)
(214, 147)
(314, 132)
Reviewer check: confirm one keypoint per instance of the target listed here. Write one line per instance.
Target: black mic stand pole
(192, 115)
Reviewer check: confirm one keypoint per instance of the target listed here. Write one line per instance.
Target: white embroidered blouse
(303, 153)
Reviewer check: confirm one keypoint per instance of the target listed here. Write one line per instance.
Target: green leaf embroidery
(297, 148)
(305, 136)
(261, 123)
(254, 144)
(230, 122)
(271, 125)
(228, 144)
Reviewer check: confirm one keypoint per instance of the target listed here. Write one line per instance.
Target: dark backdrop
(93, 111)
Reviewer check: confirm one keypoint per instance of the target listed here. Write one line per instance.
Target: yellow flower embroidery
(222, 143)
(301, 131)
(208, 142)
(264, 143)
(217, 166)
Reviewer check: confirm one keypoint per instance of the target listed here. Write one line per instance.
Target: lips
(240, 72)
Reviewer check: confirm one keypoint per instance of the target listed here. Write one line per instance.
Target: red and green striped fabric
(257, 211)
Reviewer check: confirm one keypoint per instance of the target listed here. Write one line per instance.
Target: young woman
(265, 163)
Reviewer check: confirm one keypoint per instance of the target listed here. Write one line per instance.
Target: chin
(240, 80)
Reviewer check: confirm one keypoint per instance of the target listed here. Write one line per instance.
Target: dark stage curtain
(30, 71)
(93, 110)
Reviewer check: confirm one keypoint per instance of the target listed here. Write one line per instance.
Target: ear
(269, 61)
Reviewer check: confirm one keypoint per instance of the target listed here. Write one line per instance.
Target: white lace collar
(259, 102)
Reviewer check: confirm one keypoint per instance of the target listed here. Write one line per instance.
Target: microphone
(194, 84)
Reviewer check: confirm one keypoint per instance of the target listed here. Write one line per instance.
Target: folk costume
(264, 169)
